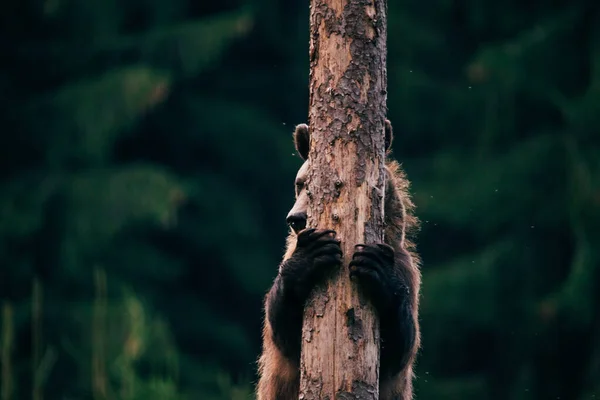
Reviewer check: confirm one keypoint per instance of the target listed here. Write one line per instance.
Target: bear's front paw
(372, 266)
(316, 252)
(319, 246)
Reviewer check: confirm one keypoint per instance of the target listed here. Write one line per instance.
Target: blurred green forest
(147, 169)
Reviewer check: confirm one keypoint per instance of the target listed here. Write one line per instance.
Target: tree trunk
(340, 346)
(36, 339)
(99, 378)
(6, 347)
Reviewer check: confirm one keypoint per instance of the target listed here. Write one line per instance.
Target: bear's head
(297, 216)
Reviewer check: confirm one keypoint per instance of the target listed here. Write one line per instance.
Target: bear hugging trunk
(387, 272)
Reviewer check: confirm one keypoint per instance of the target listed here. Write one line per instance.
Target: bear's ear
(389, 135)
(302, 141)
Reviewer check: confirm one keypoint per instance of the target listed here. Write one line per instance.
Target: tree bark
(340, 338)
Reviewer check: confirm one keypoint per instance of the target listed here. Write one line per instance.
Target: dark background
(147, 168)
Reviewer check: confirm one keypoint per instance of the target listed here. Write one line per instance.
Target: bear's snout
(297, 221)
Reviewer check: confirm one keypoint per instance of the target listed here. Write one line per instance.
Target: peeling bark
(340, 346)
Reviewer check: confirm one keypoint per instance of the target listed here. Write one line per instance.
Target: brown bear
(388, 273)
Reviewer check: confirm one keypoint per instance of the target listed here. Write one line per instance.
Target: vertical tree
(340, 353)
(6, 348)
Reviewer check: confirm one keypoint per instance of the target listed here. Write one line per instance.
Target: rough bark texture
(340, 346)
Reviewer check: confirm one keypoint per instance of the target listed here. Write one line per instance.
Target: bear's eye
(299, 186)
